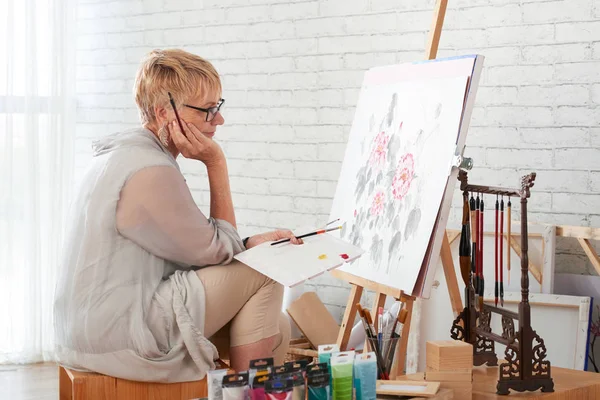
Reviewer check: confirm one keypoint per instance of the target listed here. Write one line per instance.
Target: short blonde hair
(183, 74)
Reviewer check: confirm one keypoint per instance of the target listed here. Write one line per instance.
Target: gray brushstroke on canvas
(394, 246)
(376, 250)
(412, 224)
(438, 111)
(390, 211)
(396, 223)
(361, 183)
(390, 114)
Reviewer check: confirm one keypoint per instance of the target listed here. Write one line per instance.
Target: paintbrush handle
(319, 232)
(508, 221)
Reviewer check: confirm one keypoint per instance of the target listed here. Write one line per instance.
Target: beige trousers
(243, 307)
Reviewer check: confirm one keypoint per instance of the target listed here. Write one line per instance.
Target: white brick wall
(291, 73)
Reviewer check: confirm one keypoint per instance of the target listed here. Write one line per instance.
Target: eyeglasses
(211, 112)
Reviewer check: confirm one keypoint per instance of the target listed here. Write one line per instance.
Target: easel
(358, 284)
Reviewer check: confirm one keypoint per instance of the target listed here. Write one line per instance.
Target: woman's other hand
(272, 237)
(194, 144)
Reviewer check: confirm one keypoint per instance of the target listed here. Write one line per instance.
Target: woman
(148, 279)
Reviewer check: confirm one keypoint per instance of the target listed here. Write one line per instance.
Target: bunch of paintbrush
(373, 340)
(383, 343)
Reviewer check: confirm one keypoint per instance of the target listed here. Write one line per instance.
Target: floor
(28, 382)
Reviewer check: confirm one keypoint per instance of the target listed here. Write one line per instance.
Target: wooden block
(442, 394)
(314, 320)
(88, 385)
(407, 388)
(449, 376)
(462, 390)
(449, 355)
(129, 390)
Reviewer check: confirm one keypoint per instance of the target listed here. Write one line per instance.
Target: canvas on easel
(394, 177)
(467, 67)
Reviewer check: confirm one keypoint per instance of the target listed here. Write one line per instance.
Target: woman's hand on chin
(195, 145)
(272, 237)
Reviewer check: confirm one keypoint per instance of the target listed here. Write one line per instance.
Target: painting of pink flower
(378, 203)
(379, 153)
(403, 176)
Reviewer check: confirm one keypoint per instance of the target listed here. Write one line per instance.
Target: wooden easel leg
(399, 366)
(450, 274)
(349, 314)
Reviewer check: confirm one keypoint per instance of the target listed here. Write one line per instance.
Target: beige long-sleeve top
(134, 229)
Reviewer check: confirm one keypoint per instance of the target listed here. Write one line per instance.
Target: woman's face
(199, 117)
(190, 113)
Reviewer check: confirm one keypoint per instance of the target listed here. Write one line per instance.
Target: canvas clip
(464, 163)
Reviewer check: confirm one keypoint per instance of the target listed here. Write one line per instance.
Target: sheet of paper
(291, 264)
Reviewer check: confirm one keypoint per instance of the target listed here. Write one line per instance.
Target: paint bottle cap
(278, 386)
(259, 381)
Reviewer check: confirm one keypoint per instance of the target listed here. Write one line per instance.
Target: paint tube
(365, 376)
(298, 385)
(318, 386)
(342, 372)
(235, 386)
(326, 350)
(279, 389)
(317, 369)
(258, 367)
(215, 384)
(293, 366)
(258, 387)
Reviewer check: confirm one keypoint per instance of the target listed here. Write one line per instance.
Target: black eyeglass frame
(212, 110)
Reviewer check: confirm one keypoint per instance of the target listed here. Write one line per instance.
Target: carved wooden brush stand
(526, 368)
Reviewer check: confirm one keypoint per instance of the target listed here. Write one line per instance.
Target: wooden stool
(74, 385)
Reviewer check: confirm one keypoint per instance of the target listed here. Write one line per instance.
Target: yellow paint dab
(322, 256)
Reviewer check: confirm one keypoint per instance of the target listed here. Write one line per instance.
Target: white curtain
(36, 145)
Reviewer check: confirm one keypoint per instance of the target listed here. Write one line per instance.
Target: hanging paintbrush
(478, 250)
(496, 253)
(464, 248)
(481, 278)
(508, 239)
(501, 252)
(474, 240)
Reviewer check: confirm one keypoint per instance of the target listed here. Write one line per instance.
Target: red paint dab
(344, 256)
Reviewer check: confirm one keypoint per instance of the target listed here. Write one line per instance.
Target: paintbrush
(508, 239)
(474, 239)
(501, 252)
(481, 278)
(371, 334)
(464, 248)
(320, 231)
(478, 250)
(395, 336)
(496, 253)
(361, 313)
